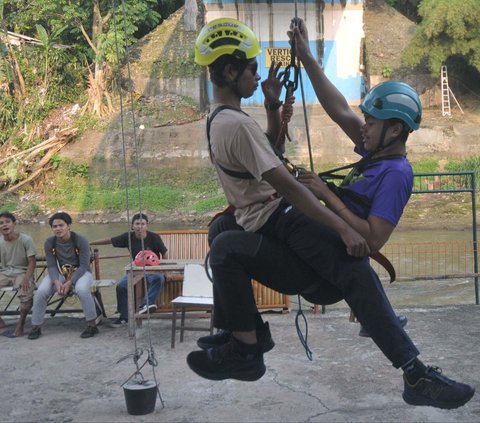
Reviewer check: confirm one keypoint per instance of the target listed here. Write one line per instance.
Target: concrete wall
(190, 87)
(185, 146)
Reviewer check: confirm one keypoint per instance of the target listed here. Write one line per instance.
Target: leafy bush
(8, 112)
(386, 72)
(425, 166)
(469, 164)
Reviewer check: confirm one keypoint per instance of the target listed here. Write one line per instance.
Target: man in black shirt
(140, 239)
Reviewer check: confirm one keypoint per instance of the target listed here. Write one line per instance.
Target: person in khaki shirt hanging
(17, 265)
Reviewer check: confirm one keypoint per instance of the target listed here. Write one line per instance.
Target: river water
(114, 268)
(442, 292)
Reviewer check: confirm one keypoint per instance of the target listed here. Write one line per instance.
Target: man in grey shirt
(68, 263)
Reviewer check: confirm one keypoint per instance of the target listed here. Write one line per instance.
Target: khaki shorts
(15, 281)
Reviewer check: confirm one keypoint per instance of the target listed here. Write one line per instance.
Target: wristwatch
(273, 106)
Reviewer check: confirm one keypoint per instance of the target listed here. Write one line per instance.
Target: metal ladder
(446, 111)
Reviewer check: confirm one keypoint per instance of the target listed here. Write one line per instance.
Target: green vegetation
(425, 166)
(165, 191)
(456, 165)
(469, 164)
(9, 206)
(449, 31)
(386, 72)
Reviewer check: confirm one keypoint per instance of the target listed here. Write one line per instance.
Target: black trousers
(294, 254)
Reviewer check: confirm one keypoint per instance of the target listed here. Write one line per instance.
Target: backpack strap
(73, 237)
(229, 172)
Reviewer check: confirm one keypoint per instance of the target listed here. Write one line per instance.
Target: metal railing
(433, 259)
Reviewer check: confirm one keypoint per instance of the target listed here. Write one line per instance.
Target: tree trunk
(99, 101)
(190, 16)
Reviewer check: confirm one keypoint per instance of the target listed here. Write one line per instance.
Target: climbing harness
(137, 375)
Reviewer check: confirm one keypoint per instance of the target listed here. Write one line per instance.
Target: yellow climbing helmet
(225, 36)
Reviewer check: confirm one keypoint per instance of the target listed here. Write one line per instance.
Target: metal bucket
(140, 396)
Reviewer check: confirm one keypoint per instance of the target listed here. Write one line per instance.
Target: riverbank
(428, 212)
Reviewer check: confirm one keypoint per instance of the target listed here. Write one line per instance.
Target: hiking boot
(143, 309)
(264, 338)
(224, 362)
(35, 333)
(401, 319)
(89, 332)
(118, 323)
(436, 390)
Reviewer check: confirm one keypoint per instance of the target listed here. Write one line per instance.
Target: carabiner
(287, 82)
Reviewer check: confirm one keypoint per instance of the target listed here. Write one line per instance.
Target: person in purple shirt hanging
(372, 197)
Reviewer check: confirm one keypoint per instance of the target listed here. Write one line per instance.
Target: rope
(286, 115)
(138, 351)
(307, 129)
(296, 64)
(303, 339)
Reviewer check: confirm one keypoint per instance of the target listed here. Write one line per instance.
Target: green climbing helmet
(225, 36)
(394, 100)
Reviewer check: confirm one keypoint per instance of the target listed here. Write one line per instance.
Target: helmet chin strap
(381, 145)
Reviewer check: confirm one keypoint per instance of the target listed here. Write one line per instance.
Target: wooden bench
(193, 245)
(55, 301)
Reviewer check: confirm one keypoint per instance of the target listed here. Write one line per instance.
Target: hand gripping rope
(290, 83)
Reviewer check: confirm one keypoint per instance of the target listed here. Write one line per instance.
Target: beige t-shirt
(14, 255)
(239, 144)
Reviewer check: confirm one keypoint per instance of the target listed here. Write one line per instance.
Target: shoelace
(218, 354)
(437, 373)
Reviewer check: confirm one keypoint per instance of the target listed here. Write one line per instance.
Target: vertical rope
(151, 353)
(300, 314)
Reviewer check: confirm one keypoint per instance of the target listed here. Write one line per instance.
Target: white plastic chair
(197, 295)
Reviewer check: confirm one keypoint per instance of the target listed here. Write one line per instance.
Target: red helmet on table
(146, 258)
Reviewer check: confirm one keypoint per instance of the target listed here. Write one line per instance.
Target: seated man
(68, 265)
(140, 239)
(17, 264)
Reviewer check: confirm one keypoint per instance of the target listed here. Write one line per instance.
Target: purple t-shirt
(382, 189)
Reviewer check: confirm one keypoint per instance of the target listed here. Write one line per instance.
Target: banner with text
(278, 55)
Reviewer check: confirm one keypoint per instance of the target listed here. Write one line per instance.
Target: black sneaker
(264, 338)
(436, 390)
(144, 309)
(401, 319)
(118, 323)
(224, 363)
(35, 333)
(89, 332)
